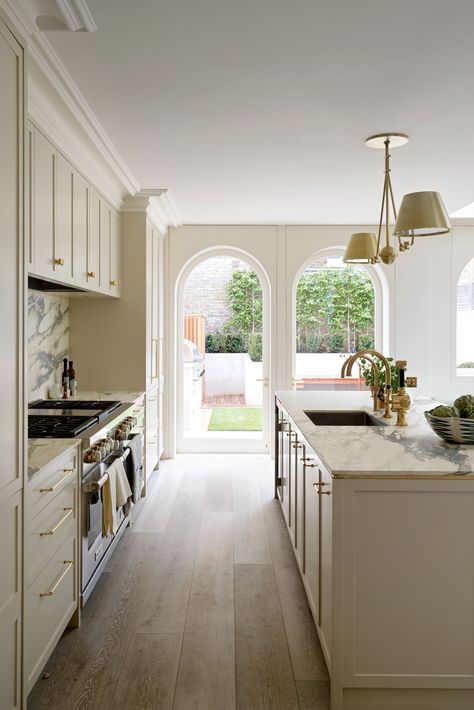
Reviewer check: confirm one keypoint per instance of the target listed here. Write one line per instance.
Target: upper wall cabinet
(73, 232)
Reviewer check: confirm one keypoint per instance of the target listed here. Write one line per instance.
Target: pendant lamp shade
(422, 214)
(361, 249)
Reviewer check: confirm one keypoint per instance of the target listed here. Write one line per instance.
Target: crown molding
(76, 15)
(56, 73)
(157, 205)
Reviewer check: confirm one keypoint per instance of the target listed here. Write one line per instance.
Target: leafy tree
(245, 299)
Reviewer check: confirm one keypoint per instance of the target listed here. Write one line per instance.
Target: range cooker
(104, 428)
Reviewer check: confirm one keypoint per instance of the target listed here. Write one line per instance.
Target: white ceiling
(256, 111)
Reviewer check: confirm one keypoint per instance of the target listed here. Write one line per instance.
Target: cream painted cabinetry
(73, 232)
(306, 497)
(12, 142)
(51, 569)
(130, 332)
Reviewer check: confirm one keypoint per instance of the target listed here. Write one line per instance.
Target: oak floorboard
(250, 535)
(159, 505)
(264, 677)
(206, 676)
(313, 695)
(211, 601)
(148, 676)
(305, 650)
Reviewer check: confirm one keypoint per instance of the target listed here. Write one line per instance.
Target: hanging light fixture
(421, 214)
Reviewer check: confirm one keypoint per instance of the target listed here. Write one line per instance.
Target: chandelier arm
(400, 243)
(386, 191)
(380, 221)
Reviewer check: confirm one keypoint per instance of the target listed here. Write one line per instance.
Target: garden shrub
(336, 342)
(255, 347)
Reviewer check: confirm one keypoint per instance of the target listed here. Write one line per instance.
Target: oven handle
(96, 485)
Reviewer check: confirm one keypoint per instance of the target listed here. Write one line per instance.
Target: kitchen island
(381, 519)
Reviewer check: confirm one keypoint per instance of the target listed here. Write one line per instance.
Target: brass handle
(65, 517)
(69, 564)
(262, 379)
(324, 493)
(91, 274)
(297, 446)
(308, 465)
(59, 262)
(114, 283)
(67, 471)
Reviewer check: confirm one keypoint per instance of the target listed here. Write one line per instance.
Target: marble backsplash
(48, 341)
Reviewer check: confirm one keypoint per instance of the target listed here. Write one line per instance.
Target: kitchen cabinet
(42, 199)
(80, 229)
(73, 233)
(62, 257)
(104, 248)
(12, 163)
(304, 488)
(131, 332)
(93, 247)
(51, 577)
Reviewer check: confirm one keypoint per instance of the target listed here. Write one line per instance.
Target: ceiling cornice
(157, 205)
(56, 73)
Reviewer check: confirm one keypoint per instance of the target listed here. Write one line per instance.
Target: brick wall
(205, 290)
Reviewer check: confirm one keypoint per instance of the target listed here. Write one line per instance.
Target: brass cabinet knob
(297, 446)
(114, 283)
(59, 262)
(91, 274)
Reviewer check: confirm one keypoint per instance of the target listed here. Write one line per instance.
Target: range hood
(36, 284)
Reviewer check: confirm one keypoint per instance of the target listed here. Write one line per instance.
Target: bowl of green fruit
(454, 424)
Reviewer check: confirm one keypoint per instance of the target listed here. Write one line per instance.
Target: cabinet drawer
(50, 602)
(51, 480)
(56, 522)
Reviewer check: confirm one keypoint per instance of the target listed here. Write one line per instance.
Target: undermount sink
(343, 418)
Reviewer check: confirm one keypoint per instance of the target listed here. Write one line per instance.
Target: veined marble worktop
(388, 451)
(42, 452)
(121, 395)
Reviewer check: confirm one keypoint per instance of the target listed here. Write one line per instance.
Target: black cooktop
(58, 427)
(65, 418)
(101, 405)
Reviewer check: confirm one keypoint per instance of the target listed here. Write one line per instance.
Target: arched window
(465, 322)
(335, 316)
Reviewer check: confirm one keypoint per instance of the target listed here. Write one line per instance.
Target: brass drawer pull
(91, 274)
(59, 262)
(114, 283)
(68, 512)
(324, 493)
(69, 564)
(67, 472)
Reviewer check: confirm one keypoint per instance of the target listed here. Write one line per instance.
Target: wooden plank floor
(201, 606)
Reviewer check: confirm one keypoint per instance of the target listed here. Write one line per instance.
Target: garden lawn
(236, 419)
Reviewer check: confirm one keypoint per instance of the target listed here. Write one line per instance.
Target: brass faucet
(347, 370)
(401, 401)
(376, 378)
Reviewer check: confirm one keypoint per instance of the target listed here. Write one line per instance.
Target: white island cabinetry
(387, 520)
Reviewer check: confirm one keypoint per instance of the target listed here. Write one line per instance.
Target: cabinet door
(10, 601)
(62, 262)
(151, 430)
(43, 205)
(80, 227)
(104, 241)
(285, 468)
(93, 247)
(114, 286)
(311, 534)
(29, 194)
(325, 584)
(154, 305)
(301, 463)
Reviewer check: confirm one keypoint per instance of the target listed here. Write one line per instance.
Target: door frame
(222, 444)
(382, 306)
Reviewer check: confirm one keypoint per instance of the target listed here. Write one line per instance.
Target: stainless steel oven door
(94, 544)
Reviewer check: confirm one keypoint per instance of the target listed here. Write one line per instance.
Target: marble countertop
(122, 395)
(42, 452)
(412, 452)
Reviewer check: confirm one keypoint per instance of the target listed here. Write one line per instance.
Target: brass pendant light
(421, 214)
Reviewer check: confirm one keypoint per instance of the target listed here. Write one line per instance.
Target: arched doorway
(337, 309)
(222, 393)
